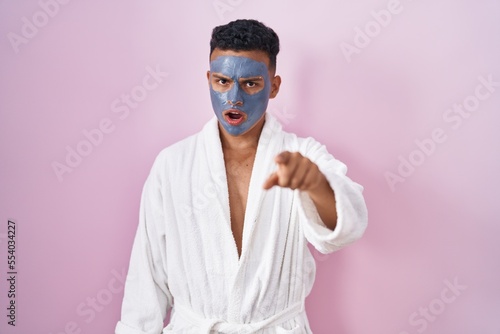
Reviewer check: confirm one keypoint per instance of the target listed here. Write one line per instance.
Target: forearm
(323, 198)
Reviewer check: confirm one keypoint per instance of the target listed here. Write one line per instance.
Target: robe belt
(221, 326)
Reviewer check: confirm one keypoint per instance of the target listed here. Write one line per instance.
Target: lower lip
(232, 121)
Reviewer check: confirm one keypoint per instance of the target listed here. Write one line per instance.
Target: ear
(208, 76)
(275, 86)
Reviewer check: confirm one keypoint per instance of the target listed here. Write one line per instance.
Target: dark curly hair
(246, 35)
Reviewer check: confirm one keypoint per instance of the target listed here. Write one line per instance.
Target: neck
(245, 141)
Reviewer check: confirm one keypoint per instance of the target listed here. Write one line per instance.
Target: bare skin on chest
(239, 155)
(239, 165)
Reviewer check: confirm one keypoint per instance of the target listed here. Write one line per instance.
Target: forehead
(240, 67)
(256, 55)
(239, 63)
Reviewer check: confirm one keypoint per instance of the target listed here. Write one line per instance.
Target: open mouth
(234, 116)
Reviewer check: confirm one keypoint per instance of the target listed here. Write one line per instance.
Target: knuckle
(282, 182)
(285, 174)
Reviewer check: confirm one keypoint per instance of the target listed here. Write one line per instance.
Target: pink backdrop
(406, 93)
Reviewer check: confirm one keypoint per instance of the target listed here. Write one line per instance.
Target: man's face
(240, 87)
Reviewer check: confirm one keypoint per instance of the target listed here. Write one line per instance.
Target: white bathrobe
(184, 255)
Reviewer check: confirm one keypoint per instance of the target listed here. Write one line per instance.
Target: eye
(251, 84)
(222, 81)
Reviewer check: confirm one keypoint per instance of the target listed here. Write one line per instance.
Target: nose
(235, 104)
(234, 97)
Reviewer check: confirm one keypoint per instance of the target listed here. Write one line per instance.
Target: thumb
(271, 181)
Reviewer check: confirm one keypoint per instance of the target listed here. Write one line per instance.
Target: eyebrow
(253, 78)
(221, 76)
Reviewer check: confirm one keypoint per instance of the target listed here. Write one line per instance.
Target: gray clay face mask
(239, 90)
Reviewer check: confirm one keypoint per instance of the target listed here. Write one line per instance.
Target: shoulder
(177, 152)
(175, 157)
(291, 141)
(178, 149)
(304, 145)
(311, 148)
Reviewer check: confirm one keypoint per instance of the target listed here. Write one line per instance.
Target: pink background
(438, 227)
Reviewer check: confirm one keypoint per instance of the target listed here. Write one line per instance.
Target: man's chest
(238, 173)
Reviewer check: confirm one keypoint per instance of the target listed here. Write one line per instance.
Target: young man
(226, 214)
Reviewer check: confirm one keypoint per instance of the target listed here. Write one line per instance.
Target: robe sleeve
(352, 216)
(146, 297)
